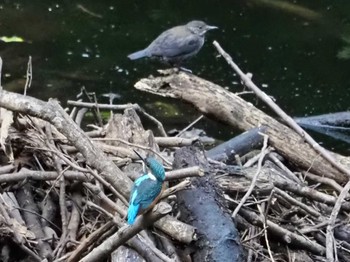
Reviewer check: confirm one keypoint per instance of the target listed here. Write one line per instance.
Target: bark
(204, 206)
(240, 145)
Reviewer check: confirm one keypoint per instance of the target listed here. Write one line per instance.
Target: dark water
(297, 50)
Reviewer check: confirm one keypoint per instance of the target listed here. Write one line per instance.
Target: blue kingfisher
(147, 189)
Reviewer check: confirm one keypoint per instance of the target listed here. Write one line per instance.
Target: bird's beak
(139, 156)
(211, 27)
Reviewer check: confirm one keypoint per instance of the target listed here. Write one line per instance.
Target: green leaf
(12, 39)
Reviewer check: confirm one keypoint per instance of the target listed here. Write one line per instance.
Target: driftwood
(214, 101)
(204, 206)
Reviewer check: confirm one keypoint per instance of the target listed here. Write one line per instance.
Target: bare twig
(189, 126)
(74, 256)
(290, 121)
(184, 172)
(330, 245)
(324, 180)
(29, 76)
(294, 201)
(250, 190)
(125, 233)
(175, 141)
(172, 190)
(42, 175)
(134, 145)
(289, 174)
(0, 72)
(121, 107)
(264, 215)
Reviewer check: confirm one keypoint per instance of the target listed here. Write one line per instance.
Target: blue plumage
(146, 189)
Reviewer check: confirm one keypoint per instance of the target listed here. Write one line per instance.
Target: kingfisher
(147, 189)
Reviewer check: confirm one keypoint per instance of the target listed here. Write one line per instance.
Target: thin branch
(290, 121)
(29, 76)
(190, 125)
(330, 250)
(126, 232)
(136, 107)
(255, 178)
(0, 72)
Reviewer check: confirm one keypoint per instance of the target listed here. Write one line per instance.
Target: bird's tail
(138, 54)
(132, 213)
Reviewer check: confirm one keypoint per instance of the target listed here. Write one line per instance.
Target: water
(297, 50)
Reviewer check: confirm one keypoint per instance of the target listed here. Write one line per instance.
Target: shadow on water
(299, 53)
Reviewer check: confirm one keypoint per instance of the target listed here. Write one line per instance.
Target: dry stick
(168, 246)
(294, 201)
(264, 215)
(0, 72)
(183, 173)
(249, 83)
(310, 193)
(125, 233)
(17, 236)
(121, 107)
(107, 185)
(324, 180)
(7, 168)
(189, 126)
(134, 145)
(178, 187)
(63, 208)
(330, 246)
(289, 174)
(97, 192)
(101, 106)
(42, 176)
(283, 234)
(29, 76)
(175, 141)
(74, 219)
(80, 115)
(62, 193)
(95, 112)
(252, 185)
(89, 241)
(98, 208)
(156, 121)
(155, 250)
(99, 118)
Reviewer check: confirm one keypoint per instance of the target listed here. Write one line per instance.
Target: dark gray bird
(176, 44)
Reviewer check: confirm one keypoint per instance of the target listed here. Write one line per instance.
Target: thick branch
(224, 106)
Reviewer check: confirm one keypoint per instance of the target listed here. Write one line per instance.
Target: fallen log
(216, 102)
(203, 206)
